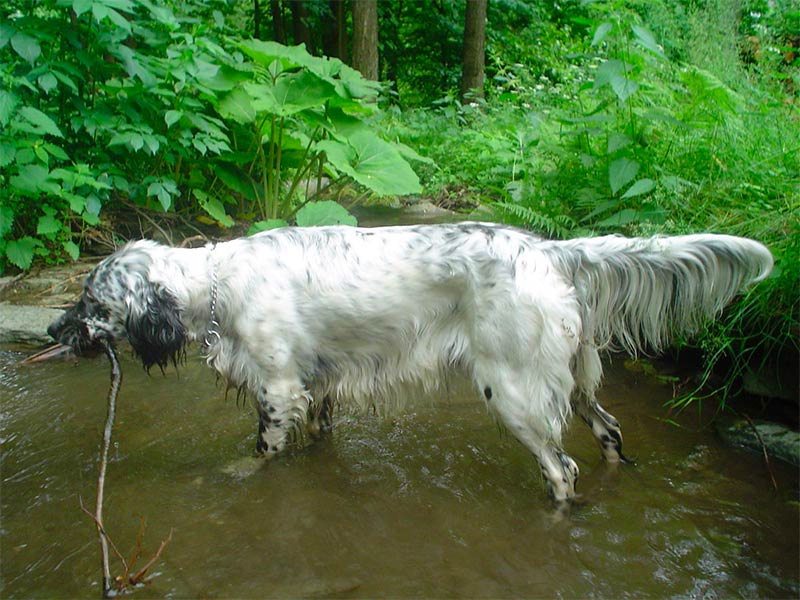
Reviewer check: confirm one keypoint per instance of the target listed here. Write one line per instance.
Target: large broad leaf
(265, 53)
(260, 226)
(237, 106)
(372, 162)
(621, 172)
(348, 82)
(327, 212)
(292, 93)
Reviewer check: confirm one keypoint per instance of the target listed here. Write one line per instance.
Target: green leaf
(26, 46)
(411, 154)
(647, 40)
(41, 154)
(55, 151)
(260, 226)
(6, 33)
(136, 141)
(171, 117)
(20, 252)
(237, 181)
(6, 220)
(48, 226)
(621, 172)
(72, 249)
(601, 33)
(623, 87)
(372, 162)
(8, 103)
(118, 20)
(265, 53)
(81, 6)
(47, 82)
(237, 106)
(40, 123)
(606, 71)
(292, 93)
(7, 154)
(623, 217)
(643, 186)
(163, 190)
(213, 207)
(33, 180)
(152, 143)
(327, 212)
(617, 140)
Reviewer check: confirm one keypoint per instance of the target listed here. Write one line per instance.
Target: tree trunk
(365, 37)
(278, 28)
(334, 36)
(300, 30)
(256, 19)
(472, 71)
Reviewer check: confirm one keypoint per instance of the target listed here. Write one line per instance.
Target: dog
(302, 318)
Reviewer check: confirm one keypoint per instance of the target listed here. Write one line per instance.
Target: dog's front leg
(280, 408)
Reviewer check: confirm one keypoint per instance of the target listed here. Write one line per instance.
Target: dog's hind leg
(605, 427)
(320, 420)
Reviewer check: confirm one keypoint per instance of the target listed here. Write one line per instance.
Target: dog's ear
(154, 327)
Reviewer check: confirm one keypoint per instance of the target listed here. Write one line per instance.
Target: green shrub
(163, 107)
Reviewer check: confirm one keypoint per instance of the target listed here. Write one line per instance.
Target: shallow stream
(434, 502)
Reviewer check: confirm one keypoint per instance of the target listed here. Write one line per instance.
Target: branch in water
(111, 586)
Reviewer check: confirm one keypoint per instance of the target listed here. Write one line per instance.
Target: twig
(136, 579)
(150, 220)
(100, 527)
(763, 450)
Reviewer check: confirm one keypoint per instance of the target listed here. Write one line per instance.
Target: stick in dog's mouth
(49, 353)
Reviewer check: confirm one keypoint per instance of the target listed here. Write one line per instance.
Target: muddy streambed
(434, 502)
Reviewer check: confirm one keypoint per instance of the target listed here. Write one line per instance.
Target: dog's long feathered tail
(637, 294)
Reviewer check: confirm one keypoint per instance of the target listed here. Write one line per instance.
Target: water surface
(434, 502)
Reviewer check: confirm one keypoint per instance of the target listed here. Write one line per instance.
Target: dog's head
(120, 301)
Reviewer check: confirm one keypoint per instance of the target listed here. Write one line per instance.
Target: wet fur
(345, 314)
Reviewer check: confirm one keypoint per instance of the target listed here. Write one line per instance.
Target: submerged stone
(780, 441)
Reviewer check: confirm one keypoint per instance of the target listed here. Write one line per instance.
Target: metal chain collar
(212, 333)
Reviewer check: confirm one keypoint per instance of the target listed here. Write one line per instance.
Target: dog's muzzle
(69, 329)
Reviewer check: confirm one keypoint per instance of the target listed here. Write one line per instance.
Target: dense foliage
(634, 116)
(114, 102)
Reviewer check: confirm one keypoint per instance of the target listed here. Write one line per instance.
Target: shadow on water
(434, 502)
